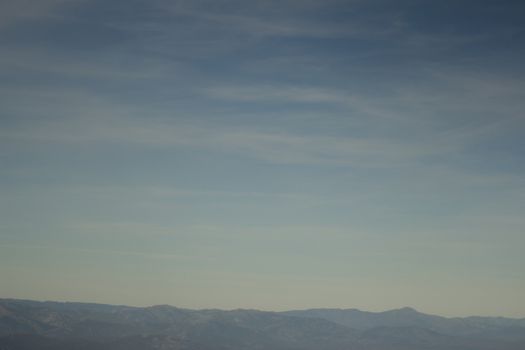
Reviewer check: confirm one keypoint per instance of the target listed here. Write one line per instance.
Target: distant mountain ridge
(28, 325)
(409, 317)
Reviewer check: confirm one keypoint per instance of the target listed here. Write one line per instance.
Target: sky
(264, 154)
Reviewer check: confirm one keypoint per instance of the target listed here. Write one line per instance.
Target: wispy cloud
(12, 12)
(274, 94)
(277, 147)
(107, 66)
(444, 120)
(282, 19)
(148, 255)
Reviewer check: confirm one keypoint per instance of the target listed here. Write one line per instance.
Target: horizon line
(402, 308)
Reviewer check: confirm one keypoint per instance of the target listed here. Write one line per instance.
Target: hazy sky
(264, 154)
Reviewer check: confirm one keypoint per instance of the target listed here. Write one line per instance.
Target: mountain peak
(408, 309)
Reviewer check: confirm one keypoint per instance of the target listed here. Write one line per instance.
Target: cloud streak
(13, 12)
(274, 147)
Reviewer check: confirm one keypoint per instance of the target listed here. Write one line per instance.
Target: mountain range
(28, 325)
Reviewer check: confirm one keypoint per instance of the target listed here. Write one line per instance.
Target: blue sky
(264, 154)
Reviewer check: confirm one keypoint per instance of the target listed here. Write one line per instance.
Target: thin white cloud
(149, 255)
(86, 118)
(114, 66)
(256, 19)
(12, 12)
(278, 94)
(276, 147)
